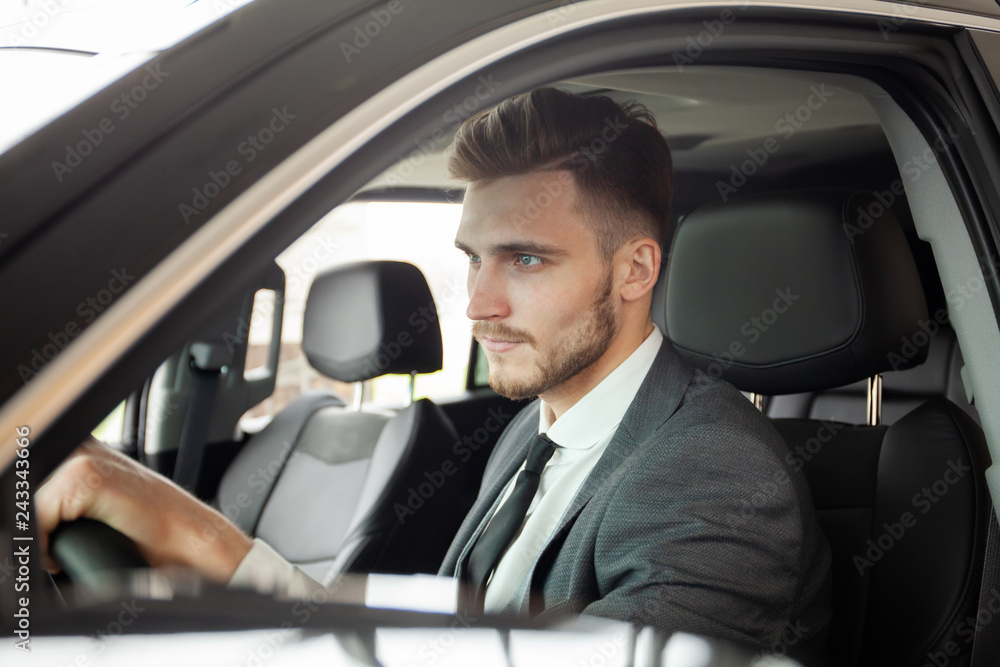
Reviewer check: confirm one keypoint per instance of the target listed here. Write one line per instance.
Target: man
(624, 508)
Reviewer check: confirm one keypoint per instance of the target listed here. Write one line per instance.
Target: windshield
(56, 53)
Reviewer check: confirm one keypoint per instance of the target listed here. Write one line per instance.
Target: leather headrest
(792, 292)
(369, 319)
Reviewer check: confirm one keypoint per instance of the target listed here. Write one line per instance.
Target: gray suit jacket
(691, 520)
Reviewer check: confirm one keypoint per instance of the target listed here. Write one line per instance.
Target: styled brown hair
(619, 160)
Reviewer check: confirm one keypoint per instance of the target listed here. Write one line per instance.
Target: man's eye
(473, 258)
(527, 260)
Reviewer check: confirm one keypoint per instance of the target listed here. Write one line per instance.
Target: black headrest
(369, 319)
(792, 292)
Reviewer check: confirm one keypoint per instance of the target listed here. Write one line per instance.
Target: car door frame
(343, 148)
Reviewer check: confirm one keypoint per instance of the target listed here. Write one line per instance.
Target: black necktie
(508, 519)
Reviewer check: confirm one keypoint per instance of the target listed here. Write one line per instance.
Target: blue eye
(473, 258)
(527, 260)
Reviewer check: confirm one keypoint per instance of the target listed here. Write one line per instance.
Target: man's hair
(619, 160)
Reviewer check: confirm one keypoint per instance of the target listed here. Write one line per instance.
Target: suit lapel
(658, 398)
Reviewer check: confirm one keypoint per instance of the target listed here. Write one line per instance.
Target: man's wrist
(212, 545)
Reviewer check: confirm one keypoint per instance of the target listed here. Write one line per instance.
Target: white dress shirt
(582, 433)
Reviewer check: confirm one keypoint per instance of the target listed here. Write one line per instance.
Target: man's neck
(557, 400)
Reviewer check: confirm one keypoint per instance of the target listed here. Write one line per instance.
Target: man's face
(540, 294)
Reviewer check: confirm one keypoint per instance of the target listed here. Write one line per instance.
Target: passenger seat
(335, 489)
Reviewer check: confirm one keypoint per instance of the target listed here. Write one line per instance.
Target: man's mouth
(496, 345)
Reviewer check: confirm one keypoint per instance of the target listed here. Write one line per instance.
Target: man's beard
(564, 359)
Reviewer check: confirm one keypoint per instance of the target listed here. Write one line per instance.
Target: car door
(117, 248)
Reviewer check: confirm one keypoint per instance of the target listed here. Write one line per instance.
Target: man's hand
(170, 526)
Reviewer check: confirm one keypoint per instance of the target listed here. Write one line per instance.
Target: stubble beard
(565, 358)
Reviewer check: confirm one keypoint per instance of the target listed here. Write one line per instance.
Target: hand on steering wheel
(166, 524)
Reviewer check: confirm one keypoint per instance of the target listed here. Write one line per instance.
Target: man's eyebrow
(516, 247)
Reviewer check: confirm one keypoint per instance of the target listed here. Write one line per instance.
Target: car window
(480, 370)
(112, 427)
(421, 233)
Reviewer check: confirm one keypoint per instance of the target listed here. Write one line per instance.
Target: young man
(611, 495)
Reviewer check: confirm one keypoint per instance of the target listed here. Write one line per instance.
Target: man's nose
(487, 295)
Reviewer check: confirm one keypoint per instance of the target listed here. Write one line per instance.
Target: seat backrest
(334, 489)
(790, 303)
(902, 508)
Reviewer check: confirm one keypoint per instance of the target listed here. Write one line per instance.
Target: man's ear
(639, 262)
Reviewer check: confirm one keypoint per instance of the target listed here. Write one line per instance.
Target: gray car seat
(334, 489)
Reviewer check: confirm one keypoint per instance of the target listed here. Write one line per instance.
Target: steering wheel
(85, 548)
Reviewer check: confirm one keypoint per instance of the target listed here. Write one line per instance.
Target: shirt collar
(602, 408)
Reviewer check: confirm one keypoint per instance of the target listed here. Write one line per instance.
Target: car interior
(773, 282)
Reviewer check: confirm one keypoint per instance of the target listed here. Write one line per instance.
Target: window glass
(111, 429)
(417, 232)
(481, 371)
(259, 333)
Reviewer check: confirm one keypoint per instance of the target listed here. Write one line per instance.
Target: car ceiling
(711, 116)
